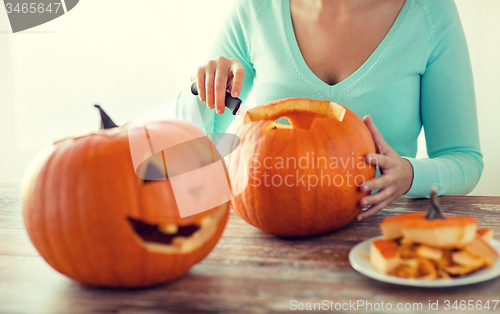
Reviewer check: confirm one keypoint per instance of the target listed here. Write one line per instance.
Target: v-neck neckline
(308, 74)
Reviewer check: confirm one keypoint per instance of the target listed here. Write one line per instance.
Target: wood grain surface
(249, 271)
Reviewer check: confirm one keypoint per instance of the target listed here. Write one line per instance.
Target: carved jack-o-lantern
(92, 219)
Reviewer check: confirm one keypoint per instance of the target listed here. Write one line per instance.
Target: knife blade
(234, 104)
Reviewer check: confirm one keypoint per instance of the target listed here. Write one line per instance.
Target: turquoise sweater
(419, 76)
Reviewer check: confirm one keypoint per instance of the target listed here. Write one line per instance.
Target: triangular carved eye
(151, 170)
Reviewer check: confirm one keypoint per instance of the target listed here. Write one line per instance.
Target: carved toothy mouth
(172, 238)
(163, 234)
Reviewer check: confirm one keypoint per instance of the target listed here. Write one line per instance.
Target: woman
(403, 65)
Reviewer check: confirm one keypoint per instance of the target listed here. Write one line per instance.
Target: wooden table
(249, 271)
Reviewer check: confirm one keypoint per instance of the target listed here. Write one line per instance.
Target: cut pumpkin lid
(299, 111)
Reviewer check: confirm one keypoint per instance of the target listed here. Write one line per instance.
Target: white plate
(362, 265)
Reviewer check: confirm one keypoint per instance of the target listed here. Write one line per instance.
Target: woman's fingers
(396, 175)
(215, 78)
(377, 136)
(376, 198)
(378, 183)
(373, 210)
(377, 202)
(200, 83)
(209, 83)
(220, 87)
(383, 162)
(238, 75)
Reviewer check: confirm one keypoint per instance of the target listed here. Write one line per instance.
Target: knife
(234, 104)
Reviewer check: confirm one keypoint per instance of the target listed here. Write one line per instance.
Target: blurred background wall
(132, 56)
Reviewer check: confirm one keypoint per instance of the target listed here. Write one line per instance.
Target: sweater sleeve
(448, 111)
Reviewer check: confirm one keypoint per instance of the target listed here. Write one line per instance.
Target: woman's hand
(396, 175)
(217, 76)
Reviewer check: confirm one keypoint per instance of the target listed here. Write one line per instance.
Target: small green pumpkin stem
(435, 211)
(106, 122)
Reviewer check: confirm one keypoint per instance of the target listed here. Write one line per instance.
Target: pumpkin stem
(435, 211)
(106, 122)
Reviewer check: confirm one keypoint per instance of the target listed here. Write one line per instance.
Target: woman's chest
(395, 66)
(335, 48)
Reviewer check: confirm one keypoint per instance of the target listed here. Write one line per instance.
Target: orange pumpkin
(93, 219)
(303, 179)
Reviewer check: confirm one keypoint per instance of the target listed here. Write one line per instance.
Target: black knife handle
(232, 103)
